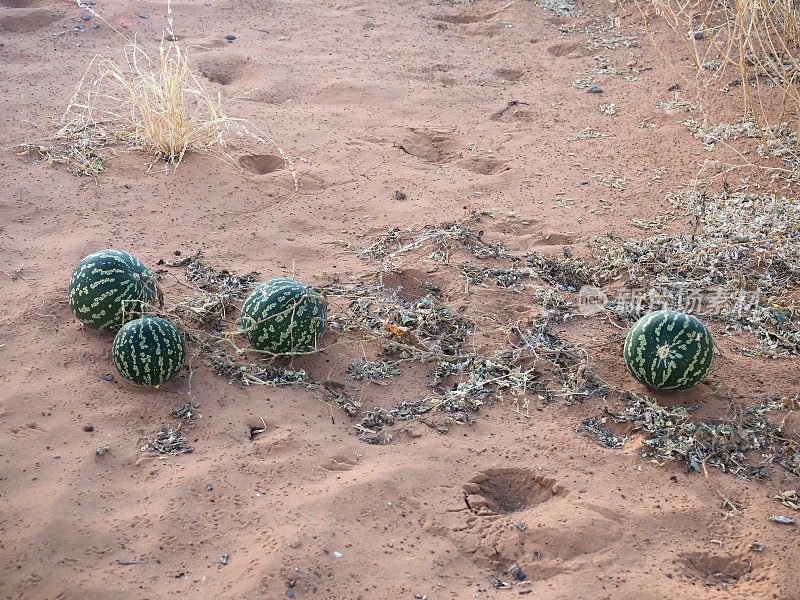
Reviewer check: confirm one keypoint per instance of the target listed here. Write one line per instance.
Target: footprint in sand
(261, 164)
(439, 148)
(512, 75)
(22, 19)
(339, 463)
(228, 69)
(517, 517)
(715, 569)
(505, 491)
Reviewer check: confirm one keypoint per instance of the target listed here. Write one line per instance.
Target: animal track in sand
(463, 18)
(439, 148)
(483, 166)
(261, 164)
(339, 463)
(508, 490)
(714, 569)
(227, 69)
(510, 74)
(28, 20)
(568, 49)
(24, 3)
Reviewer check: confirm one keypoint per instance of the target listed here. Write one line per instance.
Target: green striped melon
(668, 351)
(108, 288)
(149, 351)
(283, 317)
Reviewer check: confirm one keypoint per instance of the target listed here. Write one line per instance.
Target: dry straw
(155, 104)
(752, 46)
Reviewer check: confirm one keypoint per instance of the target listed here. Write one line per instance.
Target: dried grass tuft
(154, 103)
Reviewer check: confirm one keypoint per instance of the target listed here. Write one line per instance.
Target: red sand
(305, 510)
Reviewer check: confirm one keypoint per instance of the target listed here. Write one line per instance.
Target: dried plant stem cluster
(752, 46)
(423, 337)
(152, 102)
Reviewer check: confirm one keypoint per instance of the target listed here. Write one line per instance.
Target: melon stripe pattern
(149, 351)
(108, 288)
(283, 317)
(668, 351)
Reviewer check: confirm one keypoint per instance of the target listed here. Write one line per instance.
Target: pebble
(699, 35)
(95, 25)
(88, 428)
(337, 554)
(224, 558)
(210, 487)
(109, 377)
(87, 17)
(230, 37)
(595, 89)
(144, 15)
(400, 196)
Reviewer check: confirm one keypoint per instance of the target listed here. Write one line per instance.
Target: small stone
(224, 558)
(699, 35)
(595, 89)
(290, 593)
(400, 196)
(337, 554)
(144, 15)
(209, 487)
(109, 377)
(517, 573)
(88, 428)
(87, 17)
(230, 37)
(95, 25)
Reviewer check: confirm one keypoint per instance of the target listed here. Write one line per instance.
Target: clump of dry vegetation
(750, 47)
(152, 102)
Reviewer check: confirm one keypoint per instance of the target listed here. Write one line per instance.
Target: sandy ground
(368, 98)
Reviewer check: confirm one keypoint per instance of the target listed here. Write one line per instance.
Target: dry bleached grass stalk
(154, 104)
(759, 40)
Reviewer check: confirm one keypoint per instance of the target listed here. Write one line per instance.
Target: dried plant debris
(335, 393)
(562, 8)
(567, 274)
(596, 426)
(439, 241)
(676, 103)
(372, 371)
(730, 445)
(588, 133)
(612, 180)
(789, 499)
(168, 440)
(776, 141)
(740, 264)
(609, 109)
(236, 371)
(609, 35)
(421, 329)
(79, 151)
(216, 291)
(722, 132)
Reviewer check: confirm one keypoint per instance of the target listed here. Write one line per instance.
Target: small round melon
(108, 288)
(668, 351)
(149, 351)
(283, 317)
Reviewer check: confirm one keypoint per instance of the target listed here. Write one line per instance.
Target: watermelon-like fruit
(668, 351)
(149, 351)
(108, 288)
(283, 317)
